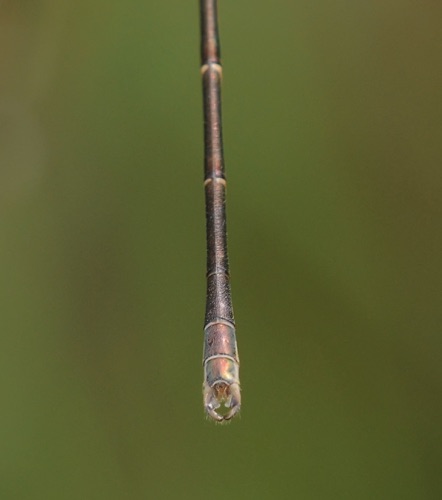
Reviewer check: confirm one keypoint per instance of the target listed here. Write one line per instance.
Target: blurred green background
(332, 127)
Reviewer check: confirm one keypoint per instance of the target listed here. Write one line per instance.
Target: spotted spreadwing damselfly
(221, 389)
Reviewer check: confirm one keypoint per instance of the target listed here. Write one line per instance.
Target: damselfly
(220, 358)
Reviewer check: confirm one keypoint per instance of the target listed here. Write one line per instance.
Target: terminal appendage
(221, 385)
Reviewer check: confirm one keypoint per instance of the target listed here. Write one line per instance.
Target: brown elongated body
(220, 357)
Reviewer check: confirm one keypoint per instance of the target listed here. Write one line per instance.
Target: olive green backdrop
(332, 121)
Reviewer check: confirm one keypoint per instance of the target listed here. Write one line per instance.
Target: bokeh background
(332, 125)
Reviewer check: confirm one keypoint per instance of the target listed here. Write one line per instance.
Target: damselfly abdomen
(220, 358)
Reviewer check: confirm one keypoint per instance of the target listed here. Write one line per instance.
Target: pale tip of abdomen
(221, 388)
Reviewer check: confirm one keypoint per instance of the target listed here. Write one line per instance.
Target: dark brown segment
(217, 259)
(213, 137)
(219, 301)
(210, 51)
